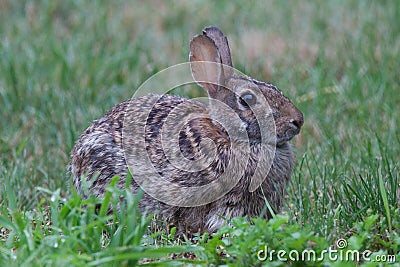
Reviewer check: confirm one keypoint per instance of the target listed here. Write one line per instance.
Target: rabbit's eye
(248, 99)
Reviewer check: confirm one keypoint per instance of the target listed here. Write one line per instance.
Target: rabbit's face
(254, 100)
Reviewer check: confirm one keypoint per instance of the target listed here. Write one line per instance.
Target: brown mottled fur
(100, 148)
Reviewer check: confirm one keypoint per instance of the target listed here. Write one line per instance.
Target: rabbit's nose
(298, 121)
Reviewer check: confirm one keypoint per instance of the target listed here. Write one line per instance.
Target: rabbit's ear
(221, 42)
(206, 64)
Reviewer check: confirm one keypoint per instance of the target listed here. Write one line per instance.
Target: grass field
(65, 63)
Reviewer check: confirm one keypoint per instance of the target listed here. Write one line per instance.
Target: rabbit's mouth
(288, 135)
(282, 140)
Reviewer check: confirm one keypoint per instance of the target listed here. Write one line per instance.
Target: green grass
(65, 63)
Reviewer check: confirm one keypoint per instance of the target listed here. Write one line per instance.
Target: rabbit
(112, 143)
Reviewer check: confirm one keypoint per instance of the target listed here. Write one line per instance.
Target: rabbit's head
(212, 69)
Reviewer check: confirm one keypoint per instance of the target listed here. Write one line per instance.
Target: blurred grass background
(65, 63)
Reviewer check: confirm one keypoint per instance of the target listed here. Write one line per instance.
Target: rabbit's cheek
(253, 131)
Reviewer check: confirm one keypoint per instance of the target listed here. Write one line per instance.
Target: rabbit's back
(100, 150)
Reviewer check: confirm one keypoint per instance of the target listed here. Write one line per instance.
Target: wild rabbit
(198, 164)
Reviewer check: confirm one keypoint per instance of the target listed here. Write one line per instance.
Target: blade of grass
(383, 192)
(105, 205)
